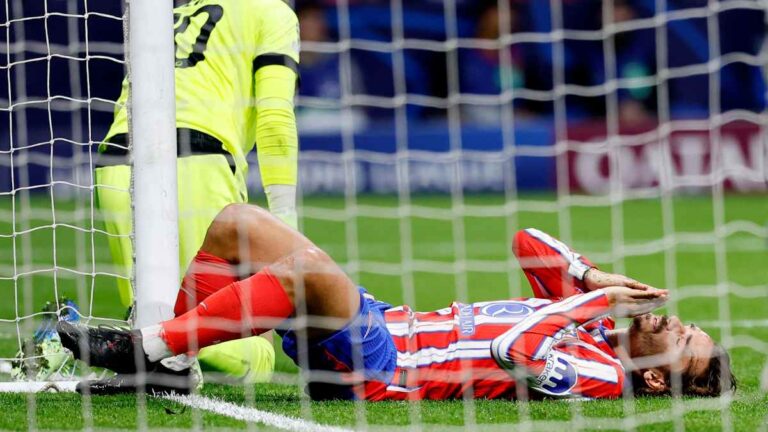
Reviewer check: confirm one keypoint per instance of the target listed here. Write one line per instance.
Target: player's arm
(275, 78)
(553, 269)
(568, 272)
(538, 345)
(595, 278)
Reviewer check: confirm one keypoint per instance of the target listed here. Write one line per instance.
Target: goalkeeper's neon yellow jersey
(220, 44)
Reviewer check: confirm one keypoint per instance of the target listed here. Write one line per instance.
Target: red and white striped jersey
(485, 348)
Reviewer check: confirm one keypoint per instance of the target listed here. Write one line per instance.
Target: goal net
(57, 245)
(617, 126)
(55, 108)
(430, 133)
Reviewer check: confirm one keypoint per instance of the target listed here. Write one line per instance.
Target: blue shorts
(364, 346)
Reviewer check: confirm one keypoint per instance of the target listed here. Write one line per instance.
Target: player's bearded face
(666, 345)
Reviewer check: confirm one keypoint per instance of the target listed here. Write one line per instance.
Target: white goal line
(247, 414)
(216, 406)
(38, 386)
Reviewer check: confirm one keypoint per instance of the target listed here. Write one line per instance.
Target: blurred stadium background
(429, 132)
(430, 75)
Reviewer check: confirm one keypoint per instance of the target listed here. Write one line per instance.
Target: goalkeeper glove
(282, 203)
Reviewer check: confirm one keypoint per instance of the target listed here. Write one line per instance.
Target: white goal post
(36, 204)
(152, 121)
(414, 187)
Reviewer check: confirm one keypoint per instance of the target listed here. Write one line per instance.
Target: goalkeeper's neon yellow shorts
(206, 185)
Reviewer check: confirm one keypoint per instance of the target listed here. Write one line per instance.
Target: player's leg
(346, 339)
(250, 359)
(204, 190)
(300, 274)
(345, 330)
(549, 264)
(114, 202)
(229, 252)
(207, 184)
(250, 237)
(306, 277)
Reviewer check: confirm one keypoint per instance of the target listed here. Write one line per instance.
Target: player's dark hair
(718, 377)
(715, 380)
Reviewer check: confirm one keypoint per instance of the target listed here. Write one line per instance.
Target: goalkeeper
(236, 74)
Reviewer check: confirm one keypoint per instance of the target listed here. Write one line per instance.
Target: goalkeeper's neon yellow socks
(250, 360)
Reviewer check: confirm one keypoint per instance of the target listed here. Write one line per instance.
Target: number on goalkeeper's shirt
(216, 44)
(184, 30)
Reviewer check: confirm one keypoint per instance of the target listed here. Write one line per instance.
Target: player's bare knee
(313, 260)
(327, 289)
(224, 230)
(221, 229)
(303, 267)
(290, 273)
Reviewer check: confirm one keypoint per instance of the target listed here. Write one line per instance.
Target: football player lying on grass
(562, 343)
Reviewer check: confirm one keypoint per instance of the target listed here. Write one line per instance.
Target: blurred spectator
(635, 58)
(482, 71)
(323, 77)
(742, 85)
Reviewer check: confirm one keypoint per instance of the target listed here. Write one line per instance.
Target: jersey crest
(509, 309)
(559, 376)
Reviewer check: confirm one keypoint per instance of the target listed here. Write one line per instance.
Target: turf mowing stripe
(240, 412)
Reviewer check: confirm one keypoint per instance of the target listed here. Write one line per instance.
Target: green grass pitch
(685, 260)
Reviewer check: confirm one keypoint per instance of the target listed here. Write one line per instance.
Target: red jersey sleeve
(556, 360)
(553, 269)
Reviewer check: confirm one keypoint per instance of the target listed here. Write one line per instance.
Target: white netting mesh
(432, 132)
(52, 117)
(627, 151)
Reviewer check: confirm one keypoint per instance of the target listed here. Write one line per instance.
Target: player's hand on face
(596, 279)
(629, 302)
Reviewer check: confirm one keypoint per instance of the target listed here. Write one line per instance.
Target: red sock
(252, 305)
(206, 274)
